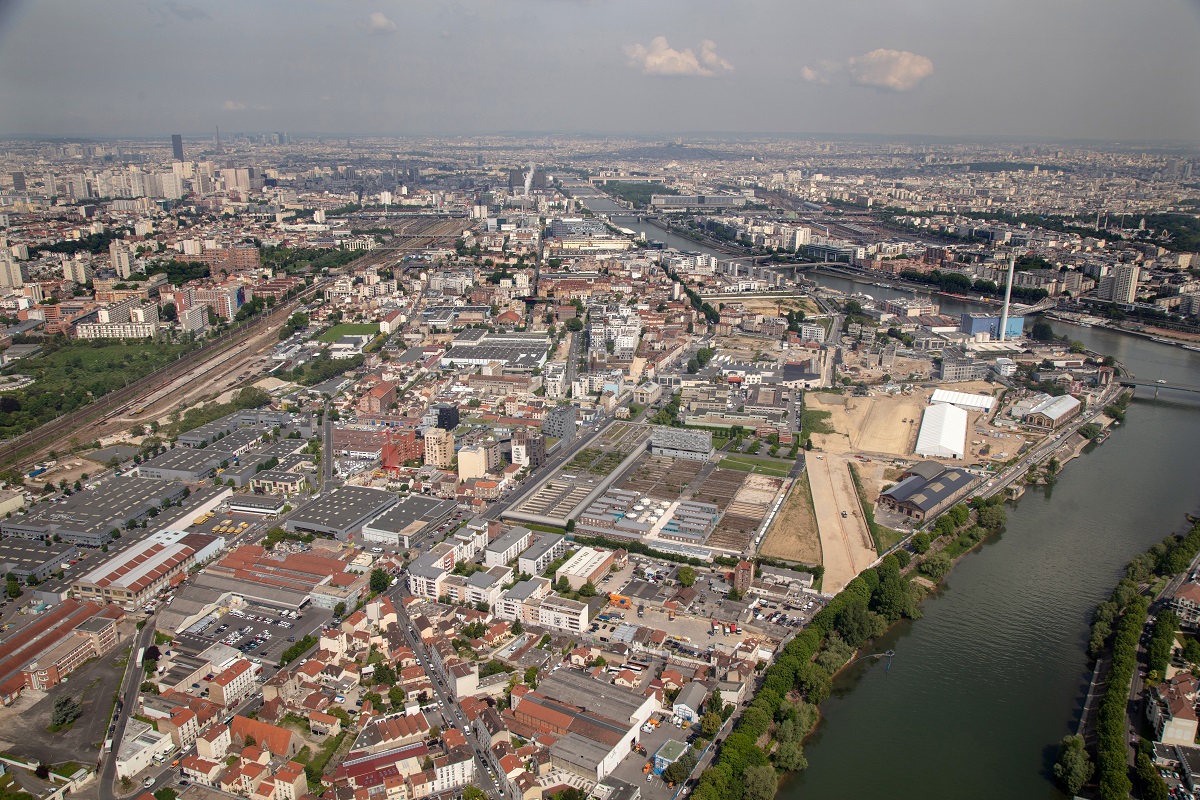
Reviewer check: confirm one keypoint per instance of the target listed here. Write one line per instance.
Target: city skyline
(1066, 71)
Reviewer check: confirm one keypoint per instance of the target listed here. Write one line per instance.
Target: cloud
(379, 23)
(234, 105)
(662, 59)
(891, 70)
(896, 70)
(185, 11)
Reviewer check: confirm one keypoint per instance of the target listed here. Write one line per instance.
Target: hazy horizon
(1101, 71)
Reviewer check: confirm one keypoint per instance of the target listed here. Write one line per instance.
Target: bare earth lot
(846, 545)
(794, 535)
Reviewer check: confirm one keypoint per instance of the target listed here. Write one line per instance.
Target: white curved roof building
(943, 432)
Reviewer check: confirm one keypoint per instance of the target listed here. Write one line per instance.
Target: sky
(1062, 69)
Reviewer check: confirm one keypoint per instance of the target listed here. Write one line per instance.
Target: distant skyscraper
(18, 181)
(177, 146)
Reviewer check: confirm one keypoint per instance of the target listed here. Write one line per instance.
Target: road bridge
(1159, 385)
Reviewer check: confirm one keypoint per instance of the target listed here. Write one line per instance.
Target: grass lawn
(814, 421)
(884, 537)
(762, 466)
(349, 329)
(66, 770)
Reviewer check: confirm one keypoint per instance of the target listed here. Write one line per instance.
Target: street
(451, 713)
(126, 706)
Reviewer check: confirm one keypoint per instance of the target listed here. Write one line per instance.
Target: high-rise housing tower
(177, 146)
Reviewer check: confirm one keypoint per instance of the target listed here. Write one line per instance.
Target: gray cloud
(460, 59)
(184, 11)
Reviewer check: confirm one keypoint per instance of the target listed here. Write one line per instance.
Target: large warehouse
(408, 521)
(135, 574)
(89, 517)
(943, 432)
(341, 513)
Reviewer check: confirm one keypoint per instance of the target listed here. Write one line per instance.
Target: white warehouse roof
(969, 402)
(943, 432)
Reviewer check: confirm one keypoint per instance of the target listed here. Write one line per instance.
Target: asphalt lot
(265, 640)
(24, 725)
(630, 768)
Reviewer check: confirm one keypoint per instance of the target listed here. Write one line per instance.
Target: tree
(1191, 652)
(716, 703)
(992, 517)
(339, 610)
(587, 590)
(1074, 767)
(530, 677)
(760, 783)
(42, 771)
(789, 756)
(854, 623)
(473, 793)
(517, 628)
(12, 586)
(921, 542)
(65, 711)
(935, 566)
(710, 723)
(1153, 786)
(1041, 331)
(687, 576)
(379, 580)
(384, 674)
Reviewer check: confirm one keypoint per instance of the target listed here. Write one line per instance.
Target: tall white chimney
(1012, 263)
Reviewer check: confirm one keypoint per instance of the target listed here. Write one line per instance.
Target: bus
(631, 667)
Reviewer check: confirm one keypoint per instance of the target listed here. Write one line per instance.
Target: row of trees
(1111, 749)
(958, 282)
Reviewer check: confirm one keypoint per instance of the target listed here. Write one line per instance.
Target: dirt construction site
(884, 424)
(793, 535)
(846, 545)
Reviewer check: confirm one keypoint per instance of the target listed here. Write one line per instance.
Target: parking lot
(257, 631)
(630, 769)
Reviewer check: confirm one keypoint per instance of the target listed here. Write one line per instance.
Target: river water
(984, 685)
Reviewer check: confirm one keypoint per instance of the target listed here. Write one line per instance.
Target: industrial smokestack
(1012, 264)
